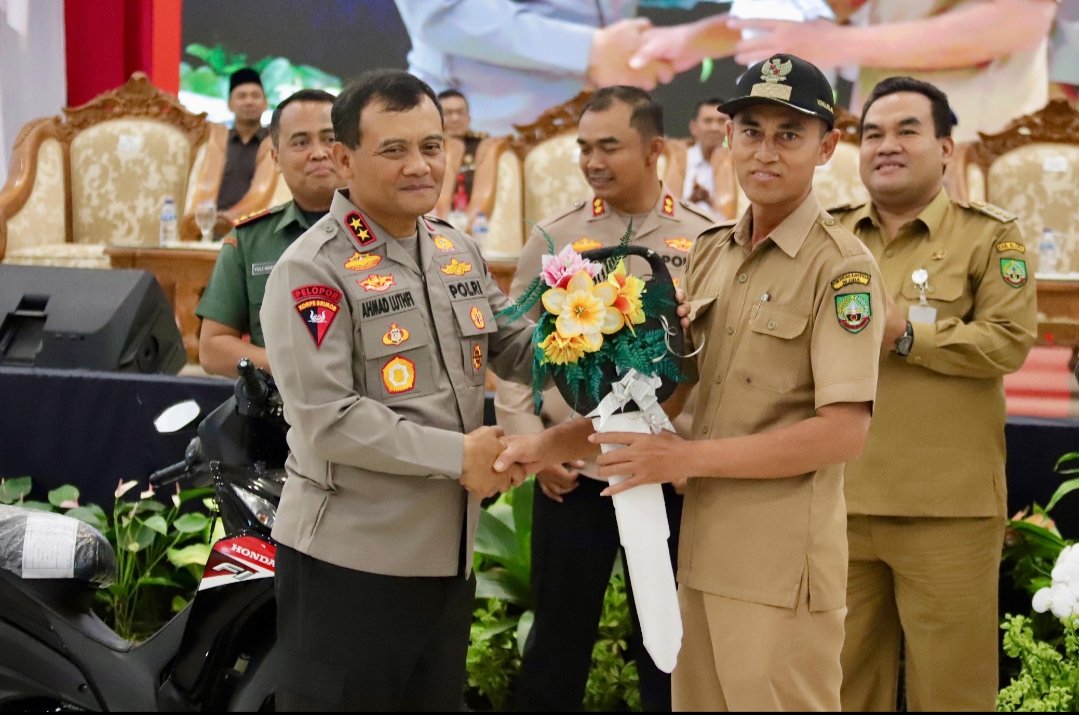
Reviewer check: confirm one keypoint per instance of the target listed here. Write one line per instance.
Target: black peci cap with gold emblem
(788, 81)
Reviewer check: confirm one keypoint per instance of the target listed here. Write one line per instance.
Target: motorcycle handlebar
(254, 388)
(168, 475)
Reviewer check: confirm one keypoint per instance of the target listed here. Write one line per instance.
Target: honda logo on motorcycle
(244, 558)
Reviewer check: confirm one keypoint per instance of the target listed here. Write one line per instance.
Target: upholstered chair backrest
(122, 171)
(1031, 170)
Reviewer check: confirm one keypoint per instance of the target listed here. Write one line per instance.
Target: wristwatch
(905, 342)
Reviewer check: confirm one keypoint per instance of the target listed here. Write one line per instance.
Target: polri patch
(399, 375)
(1011, 246)
(443, 244)
(1014, 272)
(586, 244)
(850, 278)
(359, 228)
(376, 283)
(853, 311)
(262, 269)
(362, 261)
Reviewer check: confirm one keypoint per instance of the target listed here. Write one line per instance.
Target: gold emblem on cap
(773, 72)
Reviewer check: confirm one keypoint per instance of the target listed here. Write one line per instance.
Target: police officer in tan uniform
(926, 502)
(380, 327)
(787, 316)
(574, 534)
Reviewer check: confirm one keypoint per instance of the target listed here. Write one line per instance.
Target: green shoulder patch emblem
(848, 278)
(1014, 272)
(853, 311)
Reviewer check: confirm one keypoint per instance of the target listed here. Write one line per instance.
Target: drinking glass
(205, 217)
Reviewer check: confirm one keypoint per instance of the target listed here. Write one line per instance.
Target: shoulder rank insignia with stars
(992, 211)
(255, 216)
(668, 205)
(359, 228)
(598, 207)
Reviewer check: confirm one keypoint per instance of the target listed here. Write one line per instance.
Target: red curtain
(107, 40)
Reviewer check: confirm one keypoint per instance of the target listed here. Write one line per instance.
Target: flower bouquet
(612, 342)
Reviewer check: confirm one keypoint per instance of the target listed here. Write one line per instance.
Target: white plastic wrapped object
(643, 531)
(37, 545)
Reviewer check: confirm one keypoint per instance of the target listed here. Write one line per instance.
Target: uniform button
(329, 228)
(830, 222)
(890, 252)
(771, 325)
(706, 428)
(743, 278)
(730, 330)
(719, 379)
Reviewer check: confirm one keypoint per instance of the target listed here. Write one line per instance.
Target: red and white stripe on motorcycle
(244, 558)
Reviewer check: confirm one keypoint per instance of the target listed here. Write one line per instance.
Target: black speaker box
(115, 320)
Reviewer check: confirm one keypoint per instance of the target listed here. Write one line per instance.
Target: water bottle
(1048, 252)
(168, 233)
(479, 230)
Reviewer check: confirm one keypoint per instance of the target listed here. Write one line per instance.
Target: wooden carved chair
(99, 174)
(1031, 169)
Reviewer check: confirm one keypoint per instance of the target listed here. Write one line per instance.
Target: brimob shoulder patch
(317, 306)
(850, 278)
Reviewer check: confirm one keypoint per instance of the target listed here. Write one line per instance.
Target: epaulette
(844, 208)
(994, 212)
(252, 217)
(693, 209)
(559, 215)
(476, 135)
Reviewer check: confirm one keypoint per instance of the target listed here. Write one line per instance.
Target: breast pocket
(946, 291)
(776, 348)
(475, 322)
(397, 357)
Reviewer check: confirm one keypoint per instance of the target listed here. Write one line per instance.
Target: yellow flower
(628, 301)
(562, 350)
(582, 308)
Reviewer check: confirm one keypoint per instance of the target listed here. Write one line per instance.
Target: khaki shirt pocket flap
(774, 321)
(699, 307)
(393, 334)
(474, 317)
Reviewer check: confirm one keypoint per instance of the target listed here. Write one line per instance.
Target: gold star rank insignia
(598, 208)
(359, 228)
(668, 205)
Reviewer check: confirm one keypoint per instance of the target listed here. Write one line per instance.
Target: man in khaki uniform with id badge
(785, 330)
(380, 326)
(927, 500)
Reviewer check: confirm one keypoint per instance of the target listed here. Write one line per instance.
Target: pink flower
(557, 270)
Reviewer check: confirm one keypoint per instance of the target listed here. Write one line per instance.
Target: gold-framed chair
(98, 175)
(1030, 169)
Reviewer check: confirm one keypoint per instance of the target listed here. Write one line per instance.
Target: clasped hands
(635, 53)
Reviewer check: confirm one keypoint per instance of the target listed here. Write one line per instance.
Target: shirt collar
(788, 235)
(291, 214)
(930, 218)
(257, 138)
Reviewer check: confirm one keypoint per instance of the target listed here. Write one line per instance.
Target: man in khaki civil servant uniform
(787, 315)
(574, 534)
(380, 326)
(927, 500)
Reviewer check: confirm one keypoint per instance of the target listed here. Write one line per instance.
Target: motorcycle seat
(38, 545)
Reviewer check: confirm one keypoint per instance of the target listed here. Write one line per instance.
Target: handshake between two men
(483, 472)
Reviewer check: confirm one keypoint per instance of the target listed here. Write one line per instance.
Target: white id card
(922, 314)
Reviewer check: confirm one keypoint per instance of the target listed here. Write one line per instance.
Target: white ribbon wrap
(642, 521)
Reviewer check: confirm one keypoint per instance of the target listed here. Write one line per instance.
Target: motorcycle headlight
(263, 510)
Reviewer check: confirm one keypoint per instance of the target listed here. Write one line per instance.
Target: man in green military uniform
(302, 136)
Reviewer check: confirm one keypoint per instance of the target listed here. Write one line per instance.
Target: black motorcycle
(218, 652)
